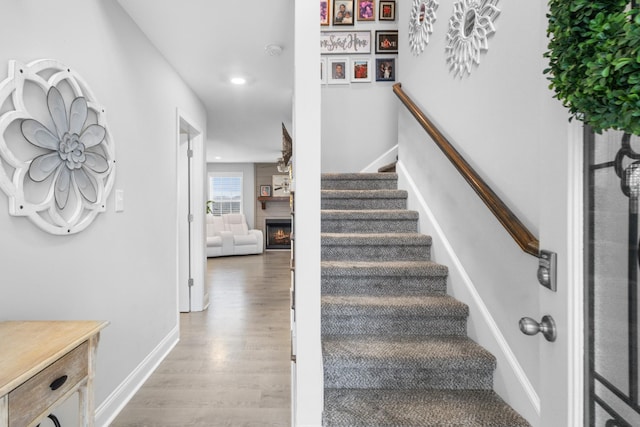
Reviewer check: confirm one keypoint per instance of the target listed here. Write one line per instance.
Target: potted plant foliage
(594, 61)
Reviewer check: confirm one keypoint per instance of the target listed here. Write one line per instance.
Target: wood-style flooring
(232, 364)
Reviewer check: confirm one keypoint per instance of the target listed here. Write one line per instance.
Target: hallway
(231, 366)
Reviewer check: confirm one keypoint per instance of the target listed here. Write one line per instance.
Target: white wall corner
(108, 410)
(575, 301)
(386, 158)
(515, 388)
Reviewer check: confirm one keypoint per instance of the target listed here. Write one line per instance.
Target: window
(225, 190)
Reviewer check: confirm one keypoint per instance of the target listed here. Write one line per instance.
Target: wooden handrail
(523, 237)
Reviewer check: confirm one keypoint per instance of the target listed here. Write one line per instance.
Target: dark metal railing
(522, 236)
(617, 395)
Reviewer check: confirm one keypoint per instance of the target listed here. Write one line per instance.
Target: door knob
(547, 326)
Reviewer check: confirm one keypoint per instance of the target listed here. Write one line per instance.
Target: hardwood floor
(232, 364)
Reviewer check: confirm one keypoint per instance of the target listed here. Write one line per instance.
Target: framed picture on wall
(387, 41)
(343, 12)
(345, 42)
(325, 12)
(265, 191)
(387, 11)
(366, 10)
(361, 70)
(338, 69)
(280, 185)
(385, 69)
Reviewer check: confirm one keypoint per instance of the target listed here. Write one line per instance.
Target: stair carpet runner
(395, 349)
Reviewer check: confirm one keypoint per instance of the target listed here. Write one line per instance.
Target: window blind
(226, 193)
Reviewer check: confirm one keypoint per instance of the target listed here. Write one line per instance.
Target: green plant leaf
(594, 61)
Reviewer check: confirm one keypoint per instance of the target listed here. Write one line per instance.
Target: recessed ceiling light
(238, 80)
(218, 158)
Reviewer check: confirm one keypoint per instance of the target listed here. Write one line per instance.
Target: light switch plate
(119, 200)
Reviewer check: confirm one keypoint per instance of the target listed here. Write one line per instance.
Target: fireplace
(278, 233)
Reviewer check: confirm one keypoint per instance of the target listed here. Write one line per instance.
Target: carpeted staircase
(394, 344)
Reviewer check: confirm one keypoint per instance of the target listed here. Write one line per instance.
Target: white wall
(122, 268)
(359, 120)
(359, 124)
(500, 118)
(248, 185)
(307, 378)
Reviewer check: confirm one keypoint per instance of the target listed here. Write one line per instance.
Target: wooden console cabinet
(42, 363)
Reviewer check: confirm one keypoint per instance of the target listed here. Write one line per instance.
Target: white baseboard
(111, 407)
(385, 159)
(522, 387)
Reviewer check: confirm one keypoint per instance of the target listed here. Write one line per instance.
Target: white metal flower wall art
(469, 28)
(56, 153)
(68, 158)
(423, 15)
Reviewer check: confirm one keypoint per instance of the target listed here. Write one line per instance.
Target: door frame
(198, 297)
(575, 275)
(561, 386)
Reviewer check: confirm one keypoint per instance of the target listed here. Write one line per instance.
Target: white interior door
(560, 382)
(191, 287)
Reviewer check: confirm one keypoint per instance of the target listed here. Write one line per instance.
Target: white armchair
(229, 235)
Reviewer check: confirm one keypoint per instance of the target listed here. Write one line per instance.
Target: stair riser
(366, 285)
(355, 184)
(393, 379)
(356, 204)
(373, 226)
(372, 408)
(393, 326)
(376, 253)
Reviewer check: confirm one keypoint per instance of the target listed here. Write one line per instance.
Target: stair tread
(364, 194)
(429, 305)
(382, 239)
(384, 268)
(406, 352)
(368, 214)
(417, 408)
(360, 176)
(359, 181)
(388, 168)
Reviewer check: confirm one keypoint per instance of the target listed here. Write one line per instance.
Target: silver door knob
(547, 326)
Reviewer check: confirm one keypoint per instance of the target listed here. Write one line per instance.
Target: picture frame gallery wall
(358, 41)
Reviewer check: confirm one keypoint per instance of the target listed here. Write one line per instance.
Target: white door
(192, 295)
(589, 375)
(559, 383)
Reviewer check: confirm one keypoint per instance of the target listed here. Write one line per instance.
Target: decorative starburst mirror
(423, 15)
(469, 28)
(56, 154)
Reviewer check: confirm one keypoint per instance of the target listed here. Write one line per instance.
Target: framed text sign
(387, 41)
(341, 42)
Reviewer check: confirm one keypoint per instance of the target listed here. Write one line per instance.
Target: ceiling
(208, 42)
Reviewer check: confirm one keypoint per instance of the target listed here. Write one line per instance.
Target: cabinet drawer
(33, 398)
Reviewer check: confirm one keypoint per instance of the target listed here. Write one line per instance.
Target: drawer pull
(54, 419)
(57, 383)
